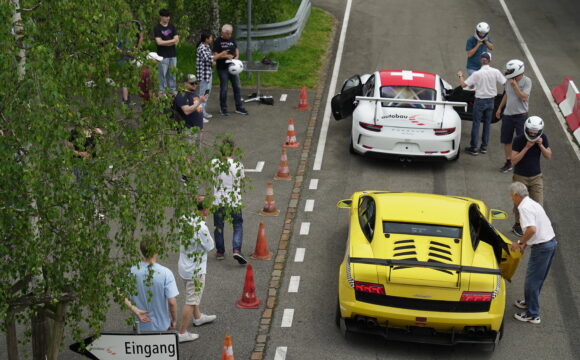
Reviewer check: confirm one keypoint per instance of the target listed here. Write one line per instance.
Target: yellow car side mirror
(344, 204)
(498, 214)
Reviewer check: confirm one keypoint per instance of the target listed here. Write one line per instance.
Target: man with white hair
(540, 236)
(225, 43)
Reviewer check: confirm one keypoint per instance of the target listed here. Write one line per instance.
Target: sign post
(130, 346)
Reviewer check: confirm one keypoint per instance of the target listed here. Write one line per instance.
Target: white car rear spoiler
(409, 101)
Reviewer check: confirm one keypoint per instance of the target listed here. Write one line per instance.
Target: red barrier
(559, 92)
(573, 119)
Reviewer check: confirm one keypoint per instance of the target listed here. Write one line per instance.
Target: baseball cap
(190, 78)
(154, 56)
(486, 55)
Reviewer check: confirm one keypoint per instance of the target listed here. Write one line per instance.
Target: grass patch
(299, 65)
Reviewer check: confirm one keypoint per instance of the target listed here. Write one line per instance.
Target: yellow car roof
(429, 208)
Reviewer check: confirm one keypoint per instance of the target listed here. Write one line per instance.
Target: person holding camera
(527, 150)
(189, 105)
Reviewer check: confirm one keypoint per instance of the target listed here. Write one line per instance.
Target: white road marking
(313, 184)
(540, 77)
(309, 205)
(299, 257)
(259, 167)
(327, 109)
(287, 317)
(294, 284)
(304, 228)
(281, 353)
(283, 97)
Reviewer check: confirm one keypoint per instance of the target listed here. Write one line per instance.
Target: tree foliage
(55, 248)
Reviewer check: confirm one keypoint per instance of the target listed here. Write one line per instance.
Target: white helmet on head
(481, 31)
(514, 68)
(533, 128)
(235, 67)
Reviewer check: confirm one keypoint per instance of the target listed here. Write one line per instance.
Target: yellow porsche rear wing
(425, 264)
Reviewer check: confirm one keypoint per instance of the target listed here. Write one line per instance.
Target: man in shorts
(192, 267)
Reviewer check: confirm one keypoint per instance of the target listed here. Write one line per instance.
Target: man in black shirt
(527, 150)
(166, 38)
(189, 105)
(225, 42)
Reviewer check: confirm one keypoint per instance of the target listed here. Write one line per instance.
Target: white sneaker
(204, 319)
(187, 336)
(207, 115)
(205, 121)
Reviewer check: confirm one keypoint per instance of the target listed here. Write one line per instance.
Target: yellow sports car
(425, 268)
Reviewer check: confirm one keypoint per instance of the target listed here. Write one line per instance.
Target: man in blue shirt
(476, 45)
(155, 296)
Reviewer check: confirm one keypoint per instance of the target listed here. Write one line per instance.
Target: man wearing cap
(189, 105)
(514, 104)
(485, 82)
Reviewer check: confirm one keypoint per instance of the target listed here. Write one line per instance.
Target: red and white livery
(400, 113)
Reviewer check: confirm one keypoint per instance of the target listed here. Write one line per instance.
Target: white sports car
(401, 114)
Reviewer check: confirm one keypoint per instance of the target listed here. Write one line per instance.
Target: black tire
(337, 314)
(351, 147)
(457, 156)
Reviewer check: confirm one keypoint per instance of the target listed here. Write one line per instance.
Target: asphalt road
(391, 34)
(430, 36)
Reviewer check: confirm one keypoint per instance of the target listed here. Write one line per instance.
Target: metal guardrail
(278, 36)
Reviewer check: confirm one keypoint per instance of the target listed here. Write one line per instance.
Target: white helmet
(533, 128)
(481, 31)
(514, 68)
(236, 66)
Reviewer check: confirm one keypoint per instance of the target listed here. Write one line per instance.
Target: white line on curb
(299, 257)
(281, 353)
(287, 317)
(304, 228)
(309, 205)
(283, 97)
(294, 284)
(540, 77)
(335, 70)
(259, 167)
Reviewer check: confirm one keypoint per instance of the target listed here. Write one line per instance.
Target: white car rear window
(408, 93)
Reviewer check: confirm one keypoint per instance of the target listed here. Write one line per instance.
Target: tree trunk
(18, 26)
(215, 18)
(57, 331)
(11, 340)
(40, 335)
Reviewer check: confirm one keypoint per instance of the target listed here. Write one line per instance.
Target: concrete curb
(281, 255)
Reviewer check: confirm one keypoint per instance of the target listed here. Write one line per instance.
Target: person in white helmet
(527, 150)
(477, 44)
(514, 105)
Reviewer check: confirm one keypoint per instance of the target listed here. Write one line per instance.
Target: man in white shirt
(540, 236)
(228, 176)
(485, 81)
(192, 267)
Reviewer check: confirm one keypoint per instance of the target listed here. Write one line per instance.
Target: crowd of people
(524, 144)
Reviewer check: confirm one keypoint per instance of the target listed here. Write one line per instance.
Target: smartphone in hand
(206, 92)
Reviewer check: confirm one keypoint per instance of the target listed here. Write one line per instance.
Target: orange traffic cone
(228, 351)
(283, 171)
(303, 102)
(269, 202)
(262, 252)
(291, 137)
(249, 300)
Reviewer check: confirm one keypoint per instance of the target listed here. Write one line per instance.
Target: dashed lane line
(309, 205)
(299, 257)
(259, 167)
(281, 353)
(294, 284)
(304, 228)
(313, 184)
(287, 318)
(283, 97)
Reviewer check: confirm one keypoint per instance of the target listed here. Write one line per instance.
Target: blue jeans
(167, 68)
(482, 112)
(203, 86)
(470, 72)
(218, 223)
(225, 76)
(538, 266)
